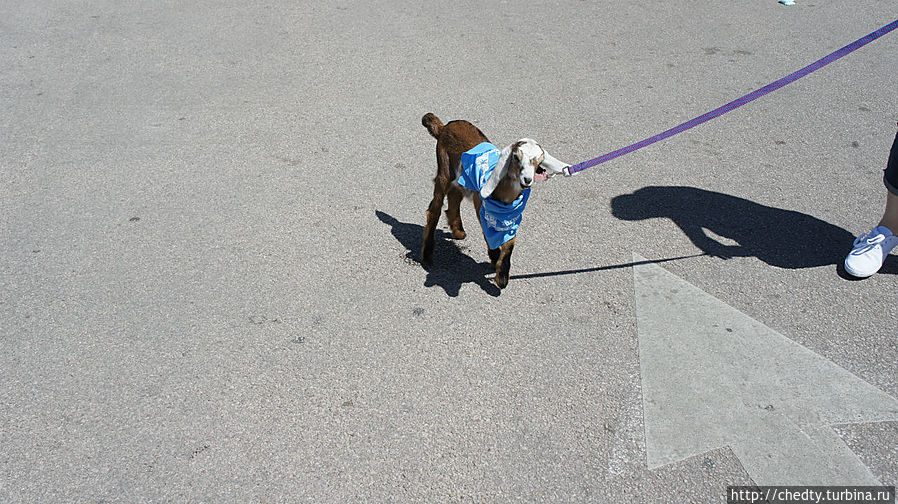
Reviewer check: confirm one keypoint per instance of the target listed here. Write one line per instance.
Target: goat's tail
(433, 124)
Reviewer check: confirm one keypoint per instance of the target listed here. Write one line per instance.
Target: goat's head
(518, 167)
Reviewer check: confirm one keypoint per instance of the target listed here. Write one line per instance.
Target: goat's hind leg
(433, 218)
(453, 214)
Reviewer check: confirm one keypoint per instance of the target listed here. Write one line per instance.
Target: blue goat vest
(499, 221)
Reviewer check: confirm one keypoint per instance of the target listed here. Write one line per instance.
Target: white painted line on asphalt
(713, 377)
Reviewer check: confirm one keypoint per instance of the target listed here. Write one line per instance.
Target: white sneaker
(870, 251)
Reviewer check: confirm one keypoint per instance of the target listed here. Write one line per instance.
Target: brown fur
(453, 139)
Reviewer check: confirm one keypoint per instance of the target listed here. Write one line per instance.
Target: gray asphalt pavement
(210, 216)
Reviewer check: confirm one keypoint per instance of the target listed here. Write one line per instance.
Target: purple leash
(754, 95)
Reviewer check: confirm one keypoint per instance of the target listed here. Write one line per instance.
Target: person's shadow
(779, 237)
(451, 267)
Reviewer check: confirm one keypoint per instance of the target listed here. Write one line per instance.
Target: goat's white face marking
(528, 155)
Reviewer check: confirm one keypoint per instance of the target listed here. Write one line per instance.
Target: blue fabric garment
(500, 222)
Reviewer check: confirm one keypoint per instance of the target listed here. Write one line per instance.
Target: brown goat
(516, 169)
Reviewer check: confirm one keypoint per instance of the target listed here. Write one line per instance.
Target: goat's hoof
(458, 234)
(427, 257)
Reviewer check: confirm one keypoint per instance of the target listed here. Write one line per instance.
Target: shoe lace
(865, 242)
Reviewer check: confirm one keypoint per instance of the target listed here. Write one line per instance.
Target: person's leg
(870, 249)
(890, 179)
(890, 216)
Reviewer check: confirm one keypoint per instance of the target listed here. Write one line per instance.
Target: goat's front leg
(501, 260)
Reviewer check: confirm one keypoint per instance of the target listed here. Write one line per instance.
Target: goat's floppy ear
(498, 173)
(552, 165)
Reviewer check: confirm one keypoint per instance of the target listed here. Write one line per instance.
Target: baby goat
(497, 180)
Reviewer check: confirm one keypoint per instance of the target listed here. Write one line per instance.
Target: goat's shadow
(779, 237)
(452, 267)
